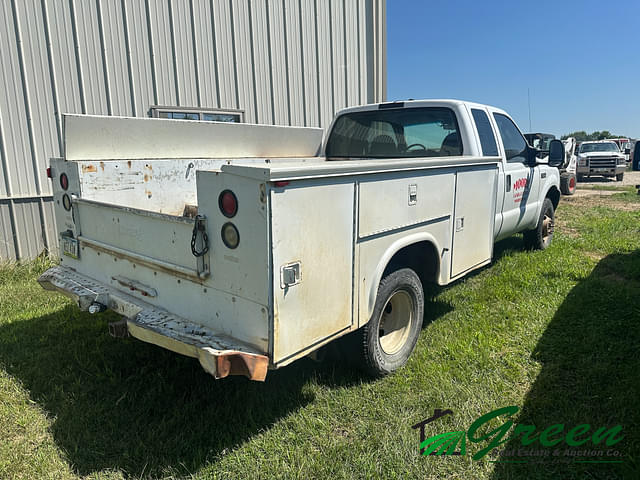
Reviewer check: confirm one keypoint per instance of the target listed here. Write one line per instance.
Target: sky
(579, 60)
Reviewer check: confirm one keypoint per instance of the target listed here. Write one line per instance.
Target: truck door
(521, 182)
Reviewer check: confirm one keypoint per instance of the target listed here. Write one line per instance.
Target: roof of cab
(450, 102)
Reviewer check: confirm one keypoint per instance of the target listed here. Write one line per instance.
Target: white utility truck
(248, 247)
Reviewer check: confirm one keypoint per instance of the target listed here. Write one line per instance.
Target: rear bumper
(219, 355)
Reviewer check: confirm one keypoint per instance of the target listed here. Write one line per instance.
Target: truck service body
(250, 246)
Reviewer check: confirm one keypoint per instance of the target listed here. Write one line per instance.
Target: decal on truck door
(519, 189)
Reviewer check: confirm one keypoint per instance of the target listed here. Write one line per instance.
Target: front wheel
(619, 177)
(540, 237)
(386, 342)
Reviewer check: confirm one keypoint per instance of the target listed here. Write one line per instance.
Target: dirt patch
(594, 256)
(600, 198)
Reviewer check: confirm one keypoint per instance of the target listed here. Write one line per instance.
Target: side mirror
(556, 153)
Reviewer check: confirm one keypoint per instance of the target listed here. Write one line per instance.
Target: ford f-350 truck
(248, 247)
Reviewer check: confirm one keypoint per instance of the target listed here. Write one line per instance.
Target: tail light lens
(64, 181)
(230, 235)
(66, 202)
(228, 203)
(49, 174)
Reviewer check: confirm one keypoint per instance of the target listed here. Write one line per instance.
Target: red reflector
(64, 181)
(49, 172)
(282, 183)
(228, 203)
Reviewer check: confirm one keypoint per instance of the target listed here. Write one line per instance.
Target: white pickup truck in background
(250, 246)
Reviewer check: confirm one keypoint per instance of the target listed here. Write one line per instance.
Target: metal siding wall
(286, 62)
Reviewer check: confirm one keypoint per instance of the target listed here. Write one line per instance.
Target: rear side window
(395, 133)
(487, 138)
(515, 146)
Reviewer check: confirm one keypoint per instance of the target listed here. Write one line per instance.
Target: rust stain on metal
(148, 165)
(89, 168)
(146, 177)
(251, 366)
(102, 166)
(129, 163)
(148, 193)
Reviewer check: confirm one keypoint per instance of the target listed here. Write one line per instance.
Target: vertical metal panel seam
(268, 28)
(233, 50)
(172, 37)
(315, 11)
(127, 45)
(302, 78)
(215, 52)
(195, 54)
(76, 47)
(17, 244)
(27, 104)
(105, 64)
(346, 57)
(359, 57)
(152, 55)
(331, 71)
(253, 61)
(52, 73)
(286, 59)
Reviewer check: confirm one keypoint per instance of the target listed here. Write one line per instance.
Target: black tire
(568, 183)
(400, 291)
(619, 177)
(540, 237)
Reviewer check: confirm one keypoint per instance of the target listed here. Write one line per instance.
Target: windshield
(599, 147)
(393, 133)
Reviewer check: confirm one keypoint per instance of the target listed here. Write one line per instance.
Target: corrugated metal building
(285, 62)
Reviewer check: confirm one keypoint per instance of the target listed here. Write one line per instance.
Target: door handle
(508, 185)
(543, 175)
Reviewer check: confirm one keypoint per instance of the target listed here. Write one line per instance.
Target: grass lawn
(556, 333)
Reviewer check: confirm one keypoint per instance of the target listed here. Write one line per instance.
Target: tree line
(582, 136)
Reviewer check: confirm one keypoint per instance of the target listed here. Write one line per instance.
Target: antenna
(529, 102)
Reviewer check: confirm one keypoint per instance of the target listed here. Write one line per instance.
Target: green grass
(556, 333)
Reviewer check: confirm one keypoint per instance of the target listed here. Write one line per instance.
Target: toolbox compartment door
(475, 207)
(312, 242)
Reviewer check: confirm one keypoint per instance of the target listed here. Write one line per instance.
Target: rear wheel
(540, 237)
(568, 183)
(386, 342)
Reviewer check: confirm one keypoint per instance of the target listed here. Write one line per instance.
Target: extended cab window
(399, 132)
(485, 132)
(515, 146)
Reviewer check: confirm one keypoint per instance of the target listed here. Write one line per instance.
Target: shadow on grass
(590, 356)
(127, 405)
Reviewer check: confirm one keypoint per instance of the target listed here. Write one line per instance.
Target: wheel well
(554, 195)
(421, 257)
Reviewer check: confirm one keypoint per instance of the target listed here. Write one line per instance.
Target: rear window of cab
(395, 133)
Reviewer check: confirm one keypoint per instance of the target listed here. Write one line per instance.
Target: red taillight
(49, 175)
(228, 203)
(282, 183)
(64, 181)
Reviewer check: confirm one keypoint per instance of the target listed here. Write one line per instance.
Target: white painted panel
(278, 67)
(225, 55)
(90, 51)
(293, 45)
(183, 53)
(472, 223)
(103, 138)
(264, 93)
(312, 226)
(385, 202)
(205, 53)
(244, 60)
